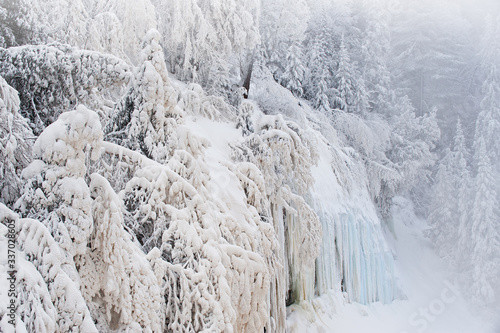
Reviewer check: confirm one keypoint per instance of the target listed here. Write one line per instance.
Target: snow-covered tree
(319, 66)
(464, 188)
(282, 29)
(53, 78)
(321, 101)
(195, 101)
(293, 74)
(450, 210)
(412, 143)
(48, 292)
(35, 310)
(13, 30)
(202, 36)
(443, 217)
(484, 244)
(485, 234)
(145, 119)
(105, 34)
(117, 281)
(20, 23)
(375, 49)
(198, 253)
(116, 26)
(51, 20)
(410, 153)
(350, 93)
(42, 76)
(15, 145)
(56, 193)
(488, 121)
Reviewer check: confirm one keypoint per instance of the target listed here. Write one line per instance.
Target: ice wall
(354, 254)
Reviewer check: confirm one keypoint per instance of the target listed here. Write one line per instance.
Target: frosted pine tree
(145, 119)
(15, 144)
(53, 78)
(105, 33)
(117, 281)
(282, 28)
(485, 215)
(350, 92)
(200, 255)
(56, 192)
(413, 140)
(42, 76)
(57, 195)
(375, 50)
(488, 122)
(13, 31)
(50, 296)
(293, 75)
(485, 235)
(443, 219)
(319, 67)
(464, 189)
(411, 150)
(20, 23)
(136, 19)
(49, 299)
(200, 46)
(35, 310)
(344, 81)
(321, 101)
(72, 28)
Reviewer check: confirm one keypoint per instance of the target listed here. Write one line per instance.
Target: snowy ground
(433, 305)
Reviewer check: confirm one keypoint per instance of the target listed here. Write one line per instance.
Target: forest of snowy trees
(200, 166)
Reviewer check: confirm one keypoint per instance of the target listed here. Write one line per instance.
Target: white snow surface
(432, 304)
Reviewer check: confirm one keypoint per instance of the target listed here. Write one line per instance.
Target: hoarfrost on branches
(15, 137)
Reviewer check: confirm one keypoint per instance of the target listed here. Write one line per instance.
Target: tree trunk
(246, 72)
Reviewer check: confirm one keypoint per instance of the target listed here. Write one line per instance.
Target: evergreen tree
(464, 186)
(488, 122)
(145, 120)
(116, 271)
(450, 211)
(485, 235)
(204, 36)
(56, 193)
(350, 92)
(318, 75)
(282, 30)
(49, 293)
(13, 31)
(53, 78)
(321, 101)
(413, 140)
(374, 54)
(293, 75)
(443, 211)
(15, 145)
